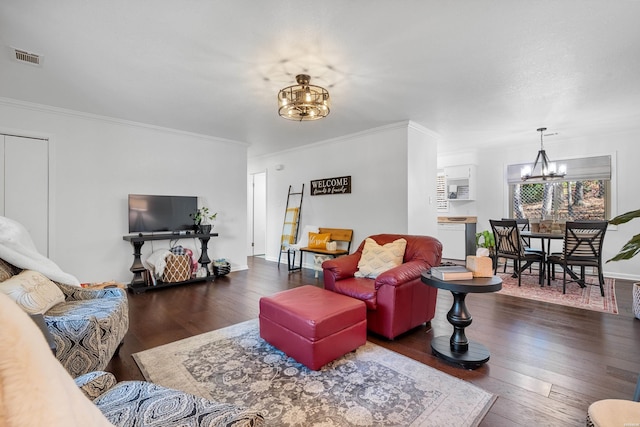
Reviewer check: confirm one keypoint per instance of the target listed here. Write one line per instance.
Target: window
(583, 194)
(569, 200)
(442, 204)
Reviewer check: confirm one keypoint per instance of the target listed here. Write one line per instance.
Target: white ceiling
(474, 71)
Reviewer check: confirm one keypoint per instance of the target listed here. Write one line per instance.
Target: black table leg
(460, 318)
(574, 276)
(458, 349)
(137, 268)
(204, 256)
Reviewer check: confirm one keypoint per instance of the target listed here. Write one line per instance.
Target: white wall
(377, 162)
(96, 162)
(493, 196)
(421, 164)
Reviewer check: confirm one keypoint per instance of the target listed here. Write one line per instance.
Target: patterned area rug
(588, 298)
(370, 386)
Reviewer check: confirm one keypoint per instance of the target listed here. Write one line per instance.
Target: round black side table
(457, 349)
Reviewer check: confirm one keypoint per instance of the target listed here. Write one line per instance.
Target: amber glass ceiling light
(542, 167)
(303, 101)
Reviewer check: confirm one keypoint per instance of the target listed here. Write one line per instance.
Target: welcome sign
(340, 185)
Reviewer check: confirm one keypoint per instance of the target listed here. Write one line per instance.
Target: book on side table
(453, 272)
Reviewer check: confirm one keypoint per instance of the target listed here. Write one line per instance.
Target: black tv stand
(138, 284)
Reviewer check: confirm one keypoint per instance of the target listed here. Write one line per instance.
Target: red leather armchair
(396, 300)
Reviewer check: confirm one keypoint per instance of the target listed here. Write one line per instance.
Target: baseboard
(283, 261)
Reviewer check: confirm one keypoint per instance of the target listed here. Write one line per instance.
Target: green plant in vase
(202, 218)
(486, 239)
(632, 247)
(628, 251)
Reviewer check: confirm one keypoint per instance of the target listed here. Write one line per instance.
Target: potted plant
(201, 218)
(628, 251)
(632, 247)
(486, 239)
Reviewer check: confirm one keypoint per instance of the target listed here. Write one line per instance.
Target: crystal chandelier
(303, 101)
(542, 168)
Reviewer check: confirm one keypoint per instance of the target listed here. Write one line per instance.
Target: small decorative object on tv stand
(204, 228)
(201, 218)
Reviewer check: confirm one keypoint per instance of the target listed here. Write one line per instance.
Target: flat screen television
(148, 214)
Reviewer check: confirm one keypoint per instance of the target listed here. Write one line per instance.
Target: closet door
(26, 188)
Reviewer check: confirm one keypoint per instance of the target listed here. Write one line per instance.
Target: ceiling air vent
(28, 57)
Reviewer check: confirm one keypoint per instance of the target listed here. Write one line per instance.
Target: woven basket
(178, 269)
(221, 269)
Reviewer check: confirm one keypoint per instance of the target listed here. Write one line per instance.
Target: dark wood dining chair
(582, 248)
(523, 225)
(509, 245)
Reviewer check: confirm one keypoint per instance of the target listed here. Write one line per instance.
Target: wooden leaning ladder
(291, 223)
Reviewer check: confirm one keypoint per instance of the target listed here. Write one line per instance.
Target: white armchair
(87, 325)
(37, 391)
(133, 403)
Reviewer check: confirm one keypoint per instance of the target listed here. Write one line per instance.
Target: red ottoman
(313, 325)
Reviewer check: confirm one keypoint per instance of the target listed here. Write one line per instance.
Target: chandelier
(303, 101)
(542, 168)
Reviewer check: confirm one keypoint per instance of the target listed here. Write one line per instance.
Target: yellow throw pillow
(32, 291)
(377, 259)
(318, 240)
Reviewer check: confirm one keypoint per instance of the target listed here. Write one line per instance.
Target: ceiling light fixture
(303, 101)
(546, 170)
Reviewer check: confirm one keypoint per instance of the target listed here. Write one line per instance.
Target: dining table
(548, 237)
(543, 236)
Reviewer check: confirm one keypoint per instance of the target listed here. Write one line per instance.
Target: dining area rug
(369, 386)
(588, 298)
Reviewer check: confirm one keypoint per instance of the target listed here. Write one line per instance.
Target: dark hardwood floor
(548, 362)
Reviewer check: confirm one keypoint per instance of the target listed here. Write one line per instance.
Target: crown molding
(392, 126)
(14, 103)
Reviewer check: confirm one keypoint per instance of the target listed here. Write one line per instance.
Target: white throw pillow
(32, 291)
(377, 259)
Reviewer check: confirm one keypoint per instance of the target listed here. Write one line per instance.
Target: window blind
(441, 193)
(585, 168)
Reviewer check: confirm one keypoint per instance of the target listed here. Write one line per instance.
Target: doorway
(257, 215)
(24, 185)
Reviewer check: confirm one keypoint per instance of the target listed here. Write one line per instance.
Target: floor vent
(29, 58)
